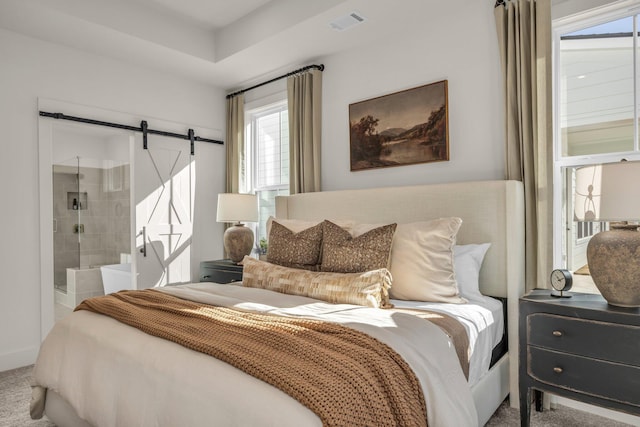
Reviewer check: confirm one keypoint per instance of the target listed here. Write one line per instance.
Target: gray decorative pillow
(344, 253)
(369, 288)
(296, 250)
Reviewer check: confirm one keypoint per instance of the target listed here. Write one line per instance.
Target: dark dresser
(220, 271)
(580, 348)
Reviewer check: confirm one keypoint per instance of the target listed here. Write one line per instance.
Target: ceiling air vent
(347, 21)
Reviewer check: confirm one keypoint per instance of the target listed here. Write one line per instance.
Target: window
(597, 100)
(587, 229)
(597, 70)
(267, 135)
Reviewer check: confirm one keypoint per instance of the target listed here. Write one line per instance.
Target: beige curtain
(524, 38)
(305, 105)
(235, 144)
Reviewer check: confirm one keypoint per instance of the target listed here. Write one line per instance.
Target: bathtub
(116, 277)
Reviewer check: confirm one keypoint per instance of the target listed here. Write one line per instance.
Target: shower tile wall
(105, 217)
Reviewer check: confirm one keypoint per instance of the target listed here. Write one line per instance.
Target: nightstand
(580, 348)
(220, 271)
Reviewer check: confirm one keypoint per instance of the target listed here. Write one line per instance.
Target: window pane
(597, 89)
(268, 163)
(268, 150)
(272, 150)
(267, 207)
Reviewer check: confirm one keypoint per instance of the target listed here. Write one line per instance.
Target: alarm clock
(561, 281)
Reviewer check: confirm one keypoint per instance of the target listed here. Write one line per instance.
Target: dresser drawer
(219, 275)
(612, 381)
(601, 340)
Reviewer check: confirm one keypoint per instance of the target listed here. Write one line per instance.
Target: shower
(91, 211)
(67, 217)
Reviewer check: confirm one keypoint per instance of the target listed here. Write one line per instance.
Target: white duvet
(116, 375)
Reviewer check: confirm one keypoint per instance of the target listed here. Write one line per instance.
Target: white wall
(32, 69)
(461, 47)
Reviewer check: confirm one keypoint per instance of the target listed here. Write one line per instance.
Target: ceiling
(226, 43)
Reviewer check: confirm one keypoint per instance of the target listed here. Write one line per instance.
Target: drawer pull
(557, 370)
(206, 277)
(557, 333)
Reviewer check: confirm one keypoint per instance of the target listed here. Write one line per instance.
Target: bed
(96, 368)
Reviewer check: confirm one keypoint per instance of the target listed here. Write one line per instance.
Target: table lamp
(610, 192)
(234, 208)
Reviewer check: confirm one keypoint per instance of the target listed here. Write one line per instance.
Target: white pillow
(422, 261)
(467, 261)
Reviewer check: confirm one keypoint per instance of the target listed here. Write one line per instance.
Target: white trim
(597, 159)
(595, 16)
(22, 357)
(45, 160)
(635, 83)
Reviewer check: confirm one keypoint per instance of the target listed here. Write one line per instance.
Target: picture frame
(401, 128)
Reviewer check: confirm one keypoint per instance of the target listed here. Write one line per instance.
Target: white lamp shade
(586, 202)
(233, 207)
(609, 192)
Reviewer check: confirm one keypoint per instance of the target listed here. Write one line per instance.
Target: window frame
(562, 26)
(252, 111)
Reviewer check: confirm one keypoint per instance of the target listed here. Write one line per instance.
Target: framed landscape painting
(402, 128)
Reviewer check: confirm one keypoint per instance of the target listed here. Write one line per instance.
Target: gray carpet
(15, 394)
(561, 416)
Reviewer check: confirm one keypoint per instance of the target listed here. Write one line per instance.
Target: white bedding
(88, 358)
(483, 319)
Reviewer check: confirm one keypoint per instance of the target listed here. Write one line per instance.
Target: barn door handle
(143, 249)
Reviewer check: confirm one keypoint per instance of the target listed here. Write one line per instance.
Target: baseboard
(18, 359)
(597, 410)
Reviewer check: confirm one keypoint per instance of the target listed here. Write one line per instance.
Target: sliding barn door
(164, 196)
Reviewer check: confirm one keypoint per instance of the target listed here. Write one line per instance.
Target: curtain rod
(143, 128)
(308, 67)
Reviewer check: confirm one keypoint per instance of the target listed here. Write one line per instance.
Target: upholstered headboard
(491, 211)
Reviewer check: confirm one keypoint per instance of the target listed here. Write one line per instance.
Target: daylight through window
(268, 158)
(596, 114)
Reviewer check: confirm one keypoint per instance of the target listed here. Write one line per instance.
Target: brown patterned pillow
(370, 288)
(344, 253)
(296, 250)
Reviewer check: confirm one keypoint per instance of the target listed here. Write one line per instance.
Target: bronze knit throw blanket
(345, 376)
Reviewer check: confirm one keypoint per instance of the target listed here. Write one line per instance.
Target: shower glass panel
(66, 216)
(91, 214)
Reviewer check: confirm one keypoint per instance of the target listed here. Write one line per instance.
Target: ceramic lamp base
(614, 264)
(238, 242)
